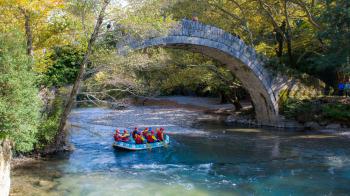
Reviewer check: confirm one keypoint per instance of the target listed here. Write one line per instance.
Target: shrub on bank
(20, 104)
(19, 101)
(321, 110)
(49, 124)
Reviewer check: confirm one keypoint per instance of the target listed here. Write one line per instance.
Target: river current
(202, 159)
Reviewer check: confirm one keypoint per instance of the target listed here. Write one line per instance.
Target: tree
(65, 61)
(19, 101)
(331, 62)
(33, 14)
(60, 137)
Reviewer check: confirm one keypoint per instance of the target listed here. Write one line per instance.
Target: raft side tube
(133, 147)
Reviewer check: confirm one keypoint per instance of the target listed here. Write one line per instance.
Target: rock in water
(333, 126)
(5, 160)
(312, 125)
(45, 183)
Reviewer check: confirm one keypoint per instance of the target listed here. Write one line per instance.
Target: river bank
(227, 113)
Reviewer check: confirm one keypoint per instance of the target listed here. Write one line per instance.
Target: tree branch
(242, 22)
(308, 13)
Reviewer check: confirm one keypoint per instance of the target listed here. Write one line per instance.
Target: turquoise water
(202, 159)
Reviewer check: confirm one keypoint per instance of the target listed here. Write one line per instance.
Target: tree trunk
(235, 101)
(280, 39)
(29, 35)
(60, 138)
(280, 30)
(288, 35)
(222, 97)
(289, 49)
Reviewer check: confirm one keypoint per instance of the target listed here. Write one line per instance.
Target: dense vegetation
(19, 101)
(43, 45)
(324, 110)
(65, 66)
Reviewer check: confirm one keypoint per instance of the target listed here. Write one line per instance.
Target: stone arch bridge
(240, 58)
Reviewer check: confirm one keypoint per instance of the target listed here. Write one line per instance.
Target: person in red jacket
(160, 134)
(144, 133)
(125, 136)
(149, 138)
(153, 136)
(117, 136)
(138, 139)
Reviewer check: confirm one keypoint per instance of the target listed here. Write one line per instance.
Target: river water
(202, 159)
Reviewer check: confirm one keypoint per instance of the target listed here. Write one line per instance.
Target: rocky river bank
(227, 113)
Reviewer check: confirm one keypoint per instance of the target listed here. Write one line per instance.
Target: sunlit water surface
(200, 160)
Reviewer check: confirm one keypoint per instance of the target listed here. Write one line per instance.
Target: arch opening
(228, 50)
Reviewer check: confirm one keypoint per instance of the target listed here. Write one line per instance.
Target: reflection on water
(201, 159)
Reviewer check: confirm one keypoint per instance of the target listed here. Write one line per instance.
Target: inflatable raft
(132, 146)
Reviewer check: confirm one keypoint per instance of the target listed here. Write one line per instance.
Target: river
(202, 159)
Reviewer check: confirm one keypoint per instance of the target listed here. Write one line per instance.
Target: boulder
(333, 126)
(46, 184)
(43, 183)
(323, 123)
(291, 124)
(312, 125)
(231, 119)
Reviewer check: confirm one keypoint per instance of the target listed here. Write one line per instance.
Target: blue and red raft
(145, 139)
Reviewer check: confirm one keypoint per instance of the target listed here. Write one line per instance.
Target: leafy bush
(49, 124)
(319, 110)
(337, 112)
(66, 61)
(19, 101)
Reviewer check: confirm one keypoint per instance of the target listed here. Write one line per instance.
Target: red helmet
(162, 129)
(117, 131)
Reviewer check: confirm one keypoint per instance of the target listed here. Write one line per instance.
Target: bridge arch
(241, 59)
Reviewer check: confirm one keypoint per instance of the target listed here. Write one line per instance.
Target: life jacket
(160, 135)
(117, 137)
(144, 133)
(138, 139)
(125, 137)
(150, 138)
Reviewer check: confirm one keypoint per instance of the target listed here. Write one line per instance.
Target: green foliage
(332, 56)
(318, 110)
(321, 51)
(185, 73)
(49, 125)
(66, 62)
(302, 111)
(197, 79)
(19, 101)
(337, 112)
